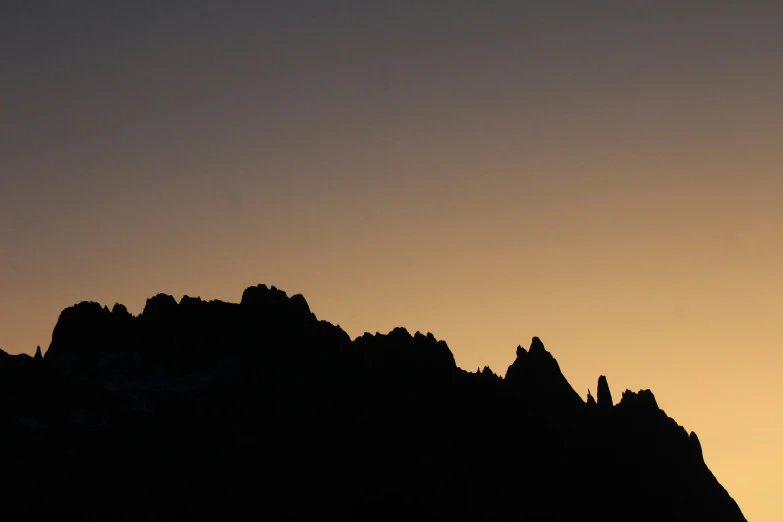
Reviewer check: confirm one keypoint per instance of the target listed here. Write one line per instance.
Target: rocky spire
(38, 354)
(604, 395)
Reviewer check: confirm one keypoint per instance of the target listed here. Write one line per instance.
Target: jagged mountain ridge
(244, 404)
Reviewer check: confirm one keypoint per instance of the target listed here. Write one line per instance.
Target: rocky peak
(537, 348)
(119, 310)
(190, 301)
(644, 400)
(399, 349)
(272, 300)
(488, 372)
(604, 394)
(38, 354)
(160, 306)
(400, 333)
(536, 375)
(80, 329)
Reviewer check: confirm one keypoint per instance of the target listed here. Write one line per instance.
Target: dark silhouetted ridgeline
(258, 409)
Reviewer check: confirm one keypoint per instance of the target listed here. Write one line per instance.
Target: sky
(608, 178)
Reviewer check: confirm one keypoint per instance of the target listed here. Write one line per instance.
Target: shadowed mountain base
(260, 409)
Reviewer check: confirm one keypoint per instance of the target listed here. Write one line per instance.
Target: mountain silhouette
(260, 409)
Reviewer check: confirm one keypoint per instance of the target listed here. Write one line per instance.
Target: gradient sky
(608, 178)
